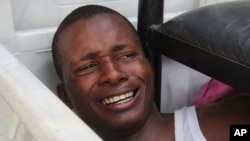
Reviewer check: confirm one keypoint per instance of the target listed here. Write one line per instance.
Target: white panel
(5, 117)
(80, 1)
(180, 85)
(31, 14)
(6, 25)
(180, 5)
(209, 2)
(40, 63)
(33, 40)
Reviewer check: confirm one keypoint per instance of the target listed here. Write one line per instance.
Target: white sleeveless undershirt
(187, 126)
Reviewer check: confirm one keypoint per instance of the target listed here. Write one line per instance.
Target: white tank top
(187, 126)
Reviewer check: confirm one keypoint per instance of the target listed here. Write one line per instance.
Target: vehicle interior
(189, 43)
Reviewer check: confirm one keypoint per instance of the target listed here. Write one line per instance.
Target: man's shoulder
(234, 108)
(215, 119)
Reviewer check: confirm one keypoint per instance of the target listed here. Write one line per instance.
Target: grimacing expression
(106, 75)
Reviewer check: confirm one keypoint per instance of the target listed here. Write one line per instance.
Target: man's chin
(126, 122)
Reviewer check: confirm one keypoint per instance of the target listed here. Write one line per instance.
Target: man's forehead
(95, 22)
(103, 21)
(70, 35)
(103, 16)
(99, 17)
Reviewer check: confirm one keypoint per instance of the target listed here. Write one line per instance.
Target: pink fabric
(213, 91)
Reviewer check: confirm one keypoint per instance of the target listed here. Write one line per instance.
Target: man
(109, 82)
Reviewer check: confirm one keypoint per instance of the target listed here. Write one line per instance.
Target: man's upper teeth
(118, 99)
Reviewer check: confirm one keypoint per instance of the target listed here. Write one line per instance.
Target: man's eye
(88, 68)
(127, 56)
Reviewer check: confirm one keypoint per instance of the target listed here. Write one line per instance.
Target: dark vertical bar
(151, 13)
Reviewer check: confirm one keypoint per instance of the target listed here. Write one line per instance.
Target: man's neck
(157, 127)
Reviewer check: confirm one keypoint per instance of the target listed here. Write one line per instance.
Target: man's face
(106, 75)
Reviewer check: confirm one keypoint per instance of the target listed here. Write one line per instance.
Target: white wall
(27, 28)
(6, 24)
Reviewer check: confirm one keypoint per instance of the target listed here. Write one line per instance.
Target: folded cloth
(214, 91)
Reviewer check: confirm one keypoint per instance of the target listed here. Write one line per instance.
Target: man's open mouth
(119, 99)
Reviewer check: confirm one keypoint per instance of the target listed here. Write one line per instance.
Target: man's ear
(62, 94)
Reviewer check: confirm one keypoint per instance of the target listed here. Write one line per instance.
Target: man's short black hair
(83, 12)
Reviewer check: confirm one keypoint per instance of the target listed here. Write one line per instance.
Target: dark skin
(102, 60)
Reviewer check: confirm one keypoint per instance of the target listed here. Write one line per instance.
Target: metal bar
(150, 13)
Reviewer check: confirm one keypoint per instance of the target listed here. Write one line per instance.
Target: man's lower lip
(124, 101)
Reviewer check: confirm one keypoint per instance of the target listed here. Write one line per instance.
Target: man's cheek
(135, 66)
(77, 91)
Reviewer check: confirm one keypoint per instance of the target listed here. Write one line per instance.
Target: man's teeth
(118, 99)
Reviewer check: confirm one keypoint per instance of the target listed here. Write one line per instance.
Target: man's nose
(112, 74)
